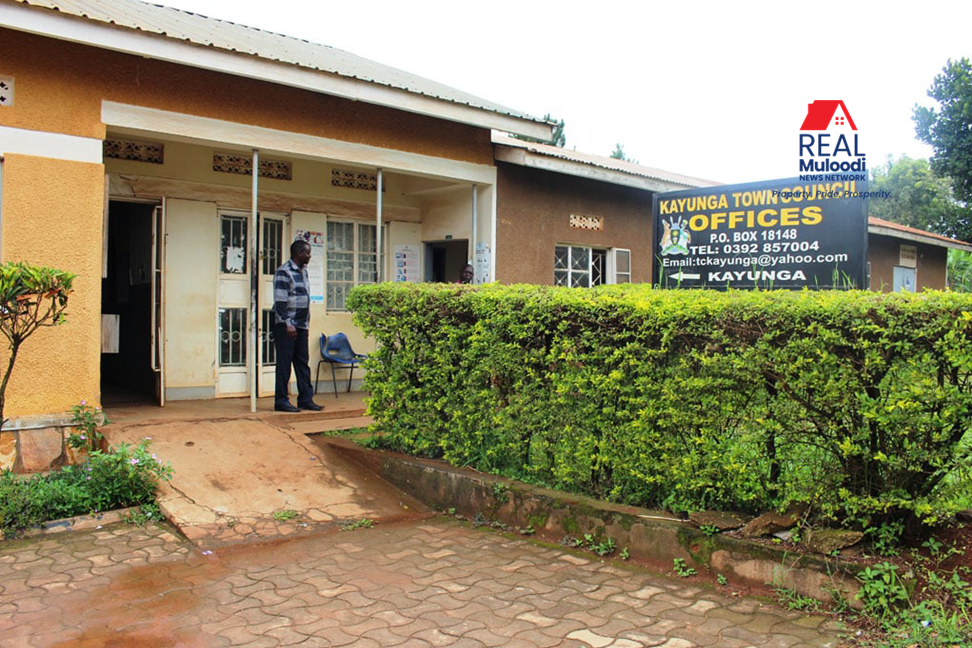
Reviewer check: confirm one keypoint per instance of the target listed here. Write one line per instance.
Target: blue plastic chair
(337, 351)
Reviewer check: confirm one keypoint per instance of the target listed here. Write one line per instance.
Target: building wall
(884, 253)
(533, 212)
(52, 216)
(60, 87)
(53, 210)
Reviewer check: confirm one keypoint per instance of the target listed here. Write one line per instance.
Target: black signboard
(773, 234)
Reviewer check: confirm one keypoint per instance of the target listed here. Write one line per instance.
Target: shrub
(856, 402)
(125, 476)
(86, 420)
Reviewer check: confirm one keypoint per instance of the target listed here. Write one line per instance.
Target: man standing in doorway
(291, 308)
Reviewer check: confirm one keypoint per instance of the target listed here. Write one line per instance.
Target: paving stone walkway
(423, 583)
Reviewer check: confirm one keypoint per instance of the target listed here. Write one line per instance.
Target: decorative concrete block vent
(30, 449)
(582, 221)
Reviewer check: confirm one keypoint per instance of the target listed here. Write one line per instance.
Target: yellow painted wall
(60, 87)
(52, 216)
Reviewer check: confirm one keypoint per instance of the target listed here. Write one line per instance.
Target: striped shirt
(291, 300)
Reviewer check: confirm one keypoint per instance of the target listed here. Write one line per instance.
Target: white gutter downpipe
(379, 274)
(475, 233)
(253, 359)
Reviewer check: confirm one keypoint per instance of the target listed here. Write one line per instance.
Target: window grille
(232, 337)
(352, 259)
(577, 266)
(266, 339)
(272, 252)
(232, 245)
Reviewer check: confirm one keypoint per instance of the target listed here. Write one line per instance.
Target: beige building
(129, 133)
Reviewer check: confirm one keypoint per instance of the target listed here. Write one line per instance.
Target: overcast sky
(716, 90)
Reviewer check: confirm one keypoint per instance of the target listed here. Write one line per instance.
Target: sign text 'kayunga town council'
(772, 234)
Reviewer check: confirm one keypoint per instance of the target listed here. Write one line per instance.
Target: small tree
(619, 154)
(30, 297)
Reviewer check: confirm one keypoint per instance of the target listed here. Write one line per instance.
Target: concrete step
(329, 425)
(288, 419)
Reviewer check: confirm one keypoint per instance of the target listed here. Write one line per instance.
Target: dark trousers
(292, 352)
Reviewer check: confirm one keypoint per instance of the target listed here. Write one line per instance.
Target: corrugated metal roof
(221, 34)
(873, 221)
(603, 162)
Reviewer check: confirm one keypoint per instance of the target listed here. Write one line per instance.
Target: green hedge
(858, 403)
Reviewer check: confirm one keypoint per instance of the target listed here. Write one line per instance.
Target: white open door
(233, 301)
(158, 301)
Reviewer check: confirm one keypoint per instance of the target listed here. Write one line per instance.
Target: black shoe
(285, 407)
(312, 406)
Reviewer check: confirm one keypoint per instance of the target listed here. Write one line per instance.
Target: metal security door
(233, 299)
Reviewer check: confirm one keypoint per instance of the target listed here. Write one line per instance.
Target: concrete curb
(78, 523)
(652, 537)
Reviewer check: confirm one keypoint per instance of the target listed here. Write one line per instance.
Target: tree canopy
(949, 128)
(919, 198)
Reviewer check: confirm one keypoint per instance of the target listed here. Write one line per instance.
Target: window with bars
(352, 259)
(266, 339)
(232, 337)
(232, 244)
(577, 266)
(272, 254)
(572, 266)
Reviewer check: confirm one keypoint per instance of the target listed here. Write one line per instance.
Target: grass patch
(346, 433)
(363, 523)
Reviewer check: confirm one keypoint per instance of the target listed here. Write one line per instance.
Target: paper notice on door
(315, 268)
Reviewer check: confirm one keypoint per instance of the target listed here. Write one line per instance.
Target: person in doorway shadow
(466, 274)
(291, 316)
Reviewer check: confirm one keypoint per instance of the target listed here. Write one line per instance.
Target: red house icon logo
(824, 113)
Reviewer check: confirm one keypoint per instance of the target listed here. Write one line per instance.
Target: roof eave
(79, 30)
(526, 158)
(918, 238)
